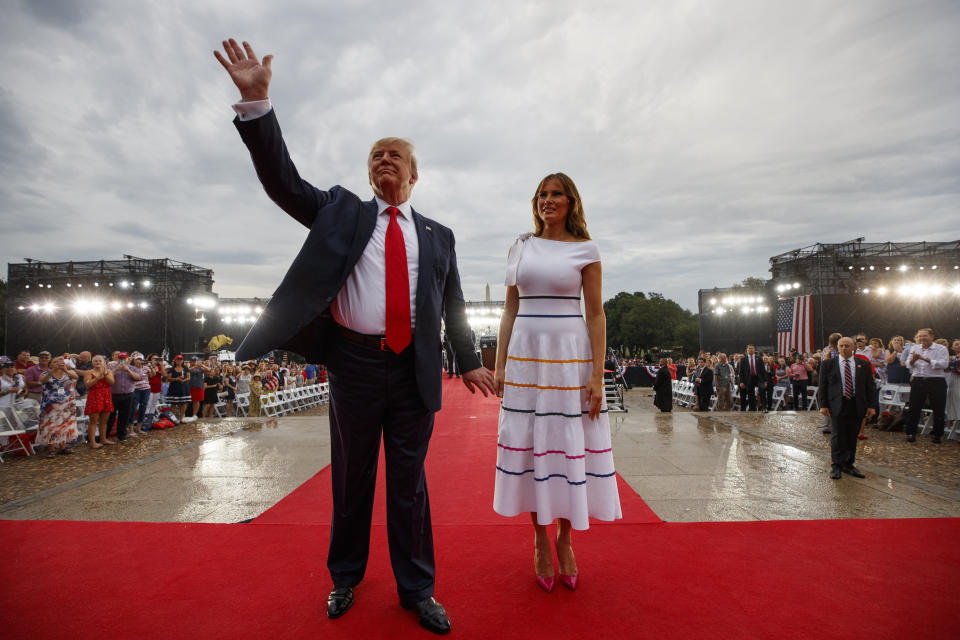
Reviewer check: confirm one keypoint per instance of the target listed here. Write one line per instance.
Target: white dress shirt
(843, 373)
(361, 305)
(938, 356)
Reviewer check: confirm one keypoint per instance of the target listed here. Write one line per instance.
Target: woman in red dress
(99, 401)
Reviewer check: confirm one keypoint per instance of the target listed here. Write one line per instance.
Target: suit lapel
(426, 250)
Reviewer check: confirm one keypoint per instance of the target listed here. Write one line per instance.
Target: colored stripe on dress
(556, 475)
(541, 315)
(548, 297)
(548, 361)
(549, 413)
(536, 386)
(554, 451)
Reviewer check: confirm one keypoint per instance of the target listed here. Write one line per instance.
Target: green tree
(755, 284)
(641, 321)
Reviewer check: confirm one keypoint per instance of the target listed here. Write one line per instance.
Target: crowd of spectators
(122, 393)
(891, 362)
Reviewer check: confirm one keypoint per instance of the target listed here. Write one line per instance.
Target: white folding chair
(15, 442)
(778, 395)
(812, 403)
(242, 403)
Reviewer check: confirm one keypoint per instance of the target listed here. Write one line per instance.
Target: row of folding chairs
(685, 395)
(286, 401)
(895, 398)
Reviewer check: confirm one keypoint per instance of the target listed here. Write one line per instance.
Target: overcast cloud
(704, 136)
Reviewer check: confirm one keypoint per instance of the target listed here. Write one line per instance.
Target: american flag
(795, 324)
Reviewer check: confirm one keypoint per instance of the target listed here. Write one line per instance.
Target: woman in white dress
(554, 457)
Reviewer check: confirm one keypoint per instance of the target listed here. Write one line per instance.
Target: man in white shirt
(365, 296)
(927, 361)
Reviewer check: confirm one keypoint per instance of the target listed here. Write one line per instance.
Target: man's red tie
(397, 285)
(753, 368)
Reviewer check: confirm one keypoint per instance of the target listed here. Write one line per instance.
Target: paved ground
(686, 466)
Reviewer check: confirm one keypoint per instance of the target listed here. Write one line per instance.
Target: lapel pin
(428, 228)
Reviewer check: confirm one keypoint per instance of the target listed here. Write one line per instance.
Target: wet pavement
(686, 466)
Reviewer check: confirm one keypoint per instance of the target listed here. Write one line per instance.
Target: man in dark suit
(365, 296)
(704, 384)
(750, 372)
(663, 388)
(846, 394)
(770, 379)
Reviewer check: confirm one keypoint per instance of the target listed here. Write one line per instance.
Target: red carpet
(826, 579)
(460, 473)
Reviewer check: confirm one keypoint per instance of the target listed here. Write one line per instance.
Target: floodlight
(882, 291)
(129, 305)
(258, 310)
(115, 306)
(48, 307)
(934, 267)
(146, 283)
(867, 290)
(143, 305)
(35, 307)
(69, 285)
(903, 267)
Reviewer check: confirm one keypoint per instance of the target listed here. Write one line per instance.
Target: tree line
(638, 323)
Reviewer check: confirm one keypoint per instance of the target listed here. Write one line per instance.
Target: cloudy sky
(704, 136)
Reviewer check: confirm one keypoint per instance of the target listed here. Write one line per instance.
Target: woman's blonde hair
(576, 222)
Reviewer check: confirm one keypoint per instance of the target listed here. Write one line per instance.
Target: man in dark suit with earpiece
(846, 394)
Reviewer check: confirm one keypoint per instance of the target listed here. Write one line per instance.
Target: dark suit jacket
(340, 226)
(743, 369)
(705, 387)
(830, 389)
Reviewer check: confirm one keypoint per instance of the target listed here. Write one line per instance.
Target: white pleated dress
(552, 459)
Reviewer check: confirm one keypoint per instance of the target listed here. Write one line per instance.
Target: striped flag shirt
(795, 324)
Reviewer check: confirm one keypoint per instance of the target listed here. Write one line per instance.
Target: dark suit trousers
(374, 393)
(748, 395)
(703, 398)
(843, 433)
(921, 390)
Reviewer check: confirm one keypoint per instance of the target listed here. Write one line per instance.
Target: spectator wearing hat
(11, 387)
(155, 380)
(34, 373)
(141, 393)
(178, 391)
(124, 377)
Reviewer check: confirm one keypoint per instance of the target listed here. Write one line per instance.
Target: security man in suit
(750, 372)
(365, 296)
(846, 394)
(704, 384)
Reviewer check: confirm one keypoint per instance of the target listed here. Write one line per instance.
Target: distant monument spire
(488, 293)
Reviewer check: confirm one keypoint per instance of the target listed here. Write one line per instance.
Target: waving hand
(247, 72)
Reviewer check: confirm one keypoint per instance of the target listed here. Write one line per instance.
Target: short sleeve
(589, 253)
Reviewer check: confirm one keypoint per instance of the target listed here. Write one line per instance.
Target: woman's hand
(595, 394)
(498, 379)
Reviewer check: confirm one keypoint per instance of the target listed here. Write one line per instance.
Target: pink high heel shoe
(570, 582)
(546, 583)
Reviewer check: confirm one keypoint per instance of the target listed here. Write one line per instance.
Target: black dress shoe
(911, 437)
(835, 472)
(825, 430)
(431, 615)
(339, 600)
(936, 440)
(853, 471)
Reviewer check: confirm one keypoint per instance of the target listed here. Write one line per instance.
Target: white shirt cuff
(253, 109)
